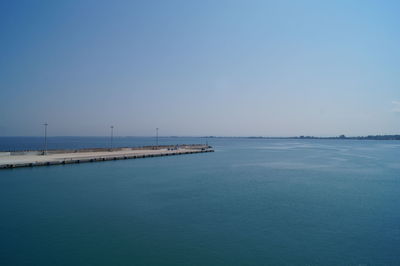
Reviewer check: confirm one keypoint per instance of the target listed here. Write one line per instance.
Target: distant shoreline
(341, 137)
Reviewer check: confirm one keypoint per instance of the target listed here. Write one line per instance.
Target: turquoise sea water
(252, 202)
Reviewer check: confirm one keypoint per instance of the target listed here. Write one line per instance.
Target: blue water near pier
(252, 202)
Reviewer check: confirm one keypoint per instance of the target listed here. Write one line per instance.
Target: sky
(196, 68)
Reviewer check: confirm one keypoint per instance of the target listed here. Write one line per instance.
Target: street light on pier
(45, 138)
(112, 136)
(157, 137)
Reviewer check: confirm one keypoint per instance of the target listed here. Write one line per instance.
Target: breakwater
(55, 157)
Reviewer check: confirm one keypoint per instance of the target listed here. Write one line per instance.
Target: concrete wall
(25, 153)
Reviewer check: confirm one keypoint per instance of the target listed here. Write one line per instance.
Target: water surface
(252, 202)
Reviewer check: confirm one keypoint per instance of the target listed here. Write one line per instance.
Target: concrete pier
(54, 157)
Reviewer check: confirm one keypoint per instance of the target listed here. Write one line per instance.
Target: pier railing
(57, 151)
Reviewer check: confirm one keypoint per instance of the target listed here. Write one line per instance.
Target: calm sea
(252, 202)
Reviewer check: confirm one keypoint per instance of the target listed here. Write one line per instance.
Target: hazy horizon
(226, 68)
(188, 136)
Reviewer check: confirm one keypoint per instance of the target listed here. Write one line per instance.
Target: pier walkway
(53, 157)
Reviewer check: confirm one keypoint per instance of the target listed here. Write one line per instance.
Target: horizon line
(202, 136)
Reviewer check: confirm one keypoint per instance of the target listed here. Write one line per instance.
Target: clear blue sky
(233, 68)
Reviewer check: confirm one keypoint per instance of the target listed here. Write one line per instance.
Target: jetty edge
(18, 159)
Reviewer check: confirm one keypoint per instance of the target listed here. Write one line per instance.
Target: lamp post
(45, 138)
(112, 135)
(157, 137)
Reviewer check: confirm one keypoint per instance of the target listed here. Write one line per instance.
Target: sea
(251, 202)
